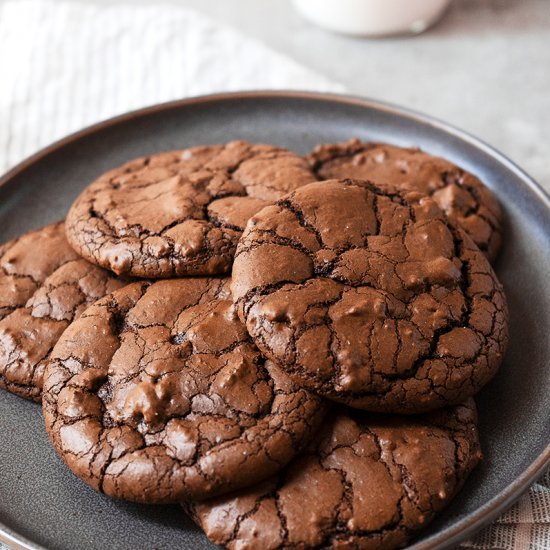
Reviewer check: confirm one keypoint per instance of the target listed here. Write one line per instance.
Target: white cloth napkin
(65, 66)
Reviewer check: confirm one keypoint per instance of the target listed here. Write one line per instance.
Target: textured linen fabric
(524, 526)
(65, 66)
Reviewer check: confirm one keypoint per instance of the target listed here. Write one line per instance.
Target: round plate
(42, 505)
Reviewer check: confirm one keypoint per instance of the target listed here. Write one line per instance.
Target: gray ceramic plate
(43, 506)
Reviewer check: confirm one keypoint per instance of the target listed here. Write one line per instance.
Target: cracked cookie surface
(461, 195)
(365, 481)
(370, 297)
(25, 263)
(157, 394)
(180, 212)
(28, 334)
(44, 286)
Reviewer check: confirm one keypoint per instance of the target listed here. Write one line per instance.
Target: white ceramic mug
(372, 17)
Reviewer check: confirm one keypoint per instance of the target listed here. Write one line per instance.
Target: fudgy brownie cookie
(182, 212)
(157, 394)
(25, 263)
(370, 297)
(460, 194)
(29, 333)
(365, 482)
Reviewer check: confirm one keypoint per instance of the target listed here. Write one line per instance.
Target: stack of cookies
(287, 347)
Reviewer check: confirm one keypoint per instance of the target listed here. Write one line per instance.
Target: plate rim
(493, 507)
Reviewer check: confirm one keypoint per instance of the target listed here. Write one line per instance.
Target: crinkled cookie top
(44, 285)
(461, 195)
(27, 261)
(181, 212)
(370, 297)
(157, 394)
(365, 482)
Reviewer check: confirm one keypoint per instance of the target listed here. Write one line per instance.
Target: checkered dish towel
(65, 66)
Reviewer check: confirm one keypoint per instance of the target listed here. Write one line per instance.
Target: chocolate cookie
(182, 212)
(25, 263)
(460, 194)
(157, 394)
(370, 297)
(29, 333)
(366, 482)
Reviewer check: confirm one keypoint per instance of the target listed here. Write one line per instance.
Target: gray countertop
(484, 68)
